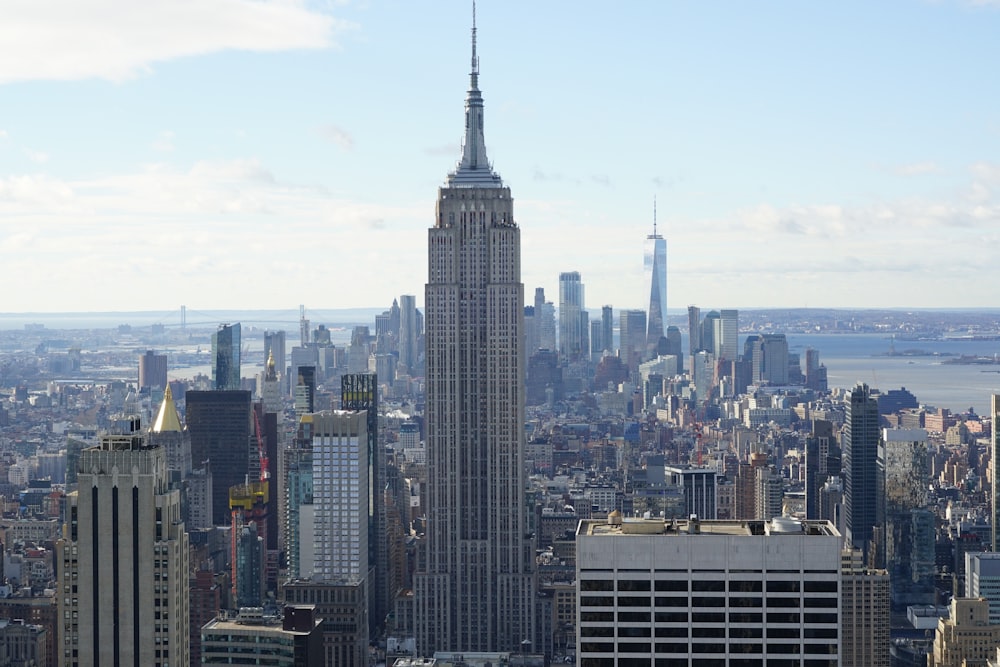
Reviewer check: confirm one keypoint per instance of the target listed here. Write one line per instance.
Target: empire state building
(474, 586)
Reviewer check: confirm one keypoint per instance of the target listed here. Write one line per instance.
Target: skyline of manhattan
(295, 166)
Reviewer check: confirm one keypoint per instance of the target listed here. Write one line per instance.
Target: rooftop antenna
(475, 60)
(654, 215)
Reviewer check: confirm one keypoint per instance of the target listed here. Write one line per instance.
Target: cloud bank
(120, 39)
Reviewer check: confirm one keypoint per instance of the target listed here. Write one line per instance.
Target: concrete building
(632, 338)
(864, 613)
(124, 561)
(728, 330)
(408, 333)
(982, 580)
(274, 348)
(330, 542)
(474, 590)
(966, 637)
(250, 638)
(752, 593)
(152, 370)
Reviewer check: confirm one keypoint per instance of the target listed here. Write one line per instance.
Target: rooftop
(779, 526)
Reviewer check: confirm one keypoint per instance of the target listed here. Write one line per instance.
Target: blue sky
(266, 153)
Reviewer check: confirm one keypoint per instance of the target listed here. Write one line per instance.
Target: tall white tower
(474, 590)
(655, 268)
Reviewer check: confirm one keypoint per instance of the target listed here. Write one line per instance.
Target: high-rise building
(360, 393)
(124, 558)
(982, 580)
(750, 592)
(545, 322)
(607, 329)
(862, 507)
(965, 636)
(655, 271)
(994, 470)
(474, 589)
(219, 426)
(332, 544)
(152, 370)
(768, 358)
(694, 329)
(710, 332)
(728, 335)
(908, 555)
(632, 335)
(226, 357)
(571, 314)
(274, 348)
(167, 432)
(864, 613)
(408, 353)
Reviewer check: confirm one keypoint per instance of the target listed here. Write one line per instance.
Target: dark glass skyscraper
(862, 483)
(219, 425)
(226, 357)
(474, 590)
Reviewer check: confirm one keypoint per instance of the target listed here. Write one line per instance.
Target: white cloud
(917, 168)
(120, 39)
(3, 134)
(38, 157)
(164, 143)
(337, 135)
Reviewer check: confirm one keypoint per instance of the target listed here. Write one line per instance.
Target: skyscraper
(219, 426)
(655, 268)
(571, 315)
(727, 338)
(694, 329)
(152, 370)
(994, 468)
(226, 357)
(474, 591)
(408, 332)
(274, 348)
(125, 555)
(861, 475)
(607, 329)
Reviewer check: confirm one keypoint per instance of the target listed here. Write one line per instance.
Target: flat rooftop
(777, 527)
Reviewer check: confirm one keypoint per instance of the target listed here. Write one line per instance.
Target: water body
(853, 358)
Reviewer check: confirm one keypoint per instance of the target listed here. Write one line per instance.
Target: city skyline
(852, 142)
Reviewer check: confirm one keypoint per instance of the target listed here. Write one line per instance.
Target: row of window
(711, 586)
(706, 617)
(731, 648)
(710, 632)
(708, 601)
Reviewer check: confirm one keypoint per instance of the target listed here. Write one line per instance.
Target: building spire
(654, 215)
(474, 169)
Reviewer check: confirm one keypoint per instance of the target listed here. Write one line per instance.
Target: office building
(768, 358)
(966, 637)
(654, 265)
(359, 392)
(632, 338)
(571, 316)
(727, 335)
(474, 590)
(408, 333)
(994, 470)
(704, 592)
(274, 348)
(167, 432)
(123, 572)
(250, 638)
(218, 423)
(863, 484)
(607, 329)
(152, 370)
(694, 330)
(982, 580)
(332, 540)
(909, 524)
(699, 485)
(226, 357)
(864, 613)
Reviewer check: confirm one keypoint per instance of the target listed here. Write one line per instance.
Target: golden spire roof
(167, 419)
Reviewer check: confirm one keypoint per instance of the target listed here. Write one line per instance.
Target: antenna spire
(475, 59)
(654, 215)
